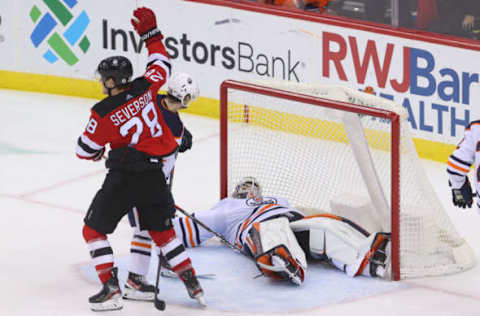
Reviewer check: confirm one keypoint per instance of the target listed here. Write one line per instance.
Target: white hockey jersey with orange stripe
(466, 155)
(232, 218)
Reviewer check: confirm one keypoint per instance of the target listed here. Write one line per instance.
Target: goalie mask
(249, 188)
(183, 88)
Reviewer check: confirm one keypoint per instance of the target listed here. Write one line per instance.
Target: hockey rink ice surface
(45, 265)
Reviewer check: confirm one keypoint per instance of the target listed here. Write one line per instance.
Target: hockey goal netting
(335, 149)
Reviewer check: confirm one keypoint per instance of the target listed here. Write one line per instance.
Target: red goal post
(321, 102)
(331, 148)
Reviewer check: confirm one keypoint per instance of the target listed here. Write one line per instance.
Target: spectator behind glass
(452, 17)
(314, 5)
(427, 14)
(378, 11)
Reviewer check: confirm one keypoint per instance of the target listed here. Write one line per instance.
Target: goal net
(338, 150)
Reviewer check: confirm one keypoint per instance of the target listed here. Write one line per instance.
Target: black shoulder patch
(107, 105)
(139, 86)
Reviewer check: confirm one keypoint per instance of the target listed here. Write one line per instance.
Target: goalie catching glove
(462, 197)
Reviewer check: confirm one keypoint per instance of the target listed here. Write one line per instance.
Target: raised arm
(158, 67)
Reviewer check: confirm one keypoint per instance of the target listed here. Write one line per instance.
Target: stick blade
(160, 304)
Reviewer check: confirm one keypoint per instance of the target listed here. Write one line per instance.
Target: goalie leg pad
(375, 259)
(333, 238)
(274, 245)
(347, 247)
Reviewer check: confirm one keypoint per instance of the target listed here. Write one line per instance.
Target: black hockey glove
(99, 154)
(463, 197)
(186, 141)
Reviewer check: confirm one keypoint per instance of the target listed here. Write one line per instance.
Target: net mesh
(321, 160)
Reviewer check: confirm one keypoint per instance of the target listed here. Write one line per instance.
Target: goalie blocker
(281, 248)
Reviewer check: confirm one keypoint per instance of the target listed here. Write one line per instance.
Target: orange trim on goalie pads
(281, 252)
(140, 244)
(266, 259)
(249, 241)
(251, 245)
(338, 218)
(370, 253)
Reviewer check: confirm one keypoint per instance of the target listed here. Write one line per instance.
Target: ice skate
(137, 288)
(108, 299)
(193, 286)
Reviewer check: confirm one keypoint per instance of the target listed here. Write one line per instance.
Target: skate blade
(168, 274)
(200, 299)
(134, 295)
(110, 305)
(142, 297)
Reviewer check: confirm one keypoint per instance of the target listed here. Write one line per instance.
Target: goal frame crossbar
(393, 117)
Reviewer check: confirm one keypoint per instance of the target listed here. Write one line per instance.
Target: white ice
(45, 266)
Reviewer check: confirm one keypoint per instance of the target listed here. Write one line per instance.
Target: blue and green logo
(62, 43)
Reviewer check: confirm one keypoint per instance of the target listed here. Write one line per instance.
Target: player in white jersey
(458, 166)
(279, 237)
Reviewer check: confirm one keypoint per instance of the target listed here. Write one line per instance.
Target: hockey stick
(170, 274)
(160, 304)
(220, 236)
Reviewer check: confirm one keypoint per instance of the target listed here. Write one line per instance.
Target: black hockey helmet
(118, 68)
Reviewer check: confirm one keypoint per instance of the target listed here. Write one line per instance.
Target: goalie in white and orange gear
(280, 237)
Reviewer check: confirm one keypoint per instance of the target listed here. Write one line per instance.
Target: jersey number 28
(150, 117)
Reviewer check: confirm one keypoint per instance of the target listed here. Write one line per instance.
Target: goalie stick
(170, 274)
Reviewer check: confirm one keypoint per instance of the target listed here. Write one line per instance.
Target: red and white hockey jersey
(466, 154)
(133, 117)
